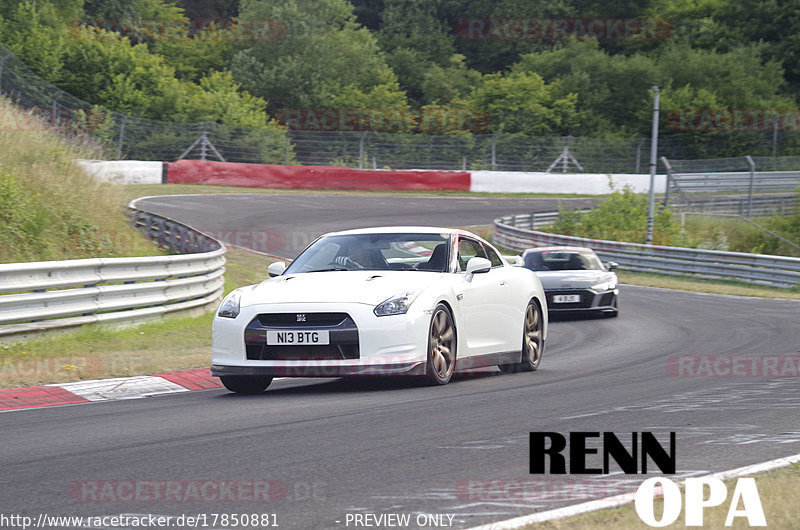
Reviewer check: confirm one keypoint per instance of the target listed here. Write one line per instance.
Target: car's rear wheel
(441, 347)
(532, 342)
(246, 384)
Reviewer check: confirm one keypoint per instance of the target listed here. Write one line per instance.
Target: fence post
(286, 148)
(494, 151)
(121, 136)
(752, 165)
(361, 149)
(639, 156)
(54, 113)
(669, 179)
(775, 138)
(2, 62)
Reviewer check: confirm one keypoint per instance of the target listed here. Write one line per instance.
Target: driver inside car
(362, 258)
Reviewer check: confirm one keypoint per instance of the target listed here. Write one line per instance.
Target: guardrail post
(752, 165)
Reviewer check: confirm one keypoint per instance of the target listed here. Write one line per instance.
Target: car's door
(488, 315)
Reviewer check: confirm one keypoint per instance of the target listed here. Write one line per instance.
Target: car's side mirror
(611, 265)
(477, 265)
(276, 269)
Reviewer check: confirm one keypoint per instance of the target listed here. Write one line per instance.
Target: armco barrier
(312, 177)
(516, 232)
(60, 294)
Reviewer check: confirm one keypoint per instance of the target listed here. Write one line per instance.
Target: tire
(532, 342)
(246, 384)
(441, 347)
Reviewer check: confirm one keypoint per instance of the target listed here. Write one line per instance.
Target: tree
(414, 39)
(443, 85)
(524, 103)
(36, 35)
(322, 52)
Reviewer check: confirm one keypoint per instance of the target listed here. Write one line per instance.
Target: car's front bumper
(590, 300)
(390, 345)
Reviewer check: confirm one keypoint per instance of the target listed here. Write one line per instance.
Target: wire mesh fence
(123, 136)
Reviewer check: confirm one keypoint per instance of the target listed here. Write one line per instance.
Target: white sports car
(382, 301)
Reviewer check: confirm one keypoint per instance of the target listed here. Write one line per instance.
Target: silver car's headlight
(604, 286)
(396, 305)
(229, 308)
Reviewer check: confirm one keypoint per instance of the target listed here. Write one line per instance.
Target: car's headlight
(229, 308)
(604, 286)
(396, 305)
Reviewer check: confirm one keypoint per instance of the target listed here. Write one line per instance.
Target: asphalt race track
(284, 224)
(335, 447)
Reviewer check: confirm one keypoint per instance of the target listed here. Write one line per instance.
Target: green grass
(49, 208)
(735, 235)
(706, 286)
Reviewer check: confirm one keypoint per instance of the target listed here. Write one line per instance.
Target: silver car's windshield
(562, 261)
(396, 251)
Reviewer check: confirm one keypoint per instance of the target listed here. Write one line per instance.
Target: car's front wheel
(246, 384)
(441, 347)
(532, 341)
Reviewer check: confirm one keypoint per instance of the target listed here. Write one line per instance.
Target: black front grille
(331, 352)
(586, 295)
(342, 333)
(283, 320)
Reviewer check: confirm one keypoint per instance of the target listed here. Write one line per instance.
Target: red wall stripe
(313, 177)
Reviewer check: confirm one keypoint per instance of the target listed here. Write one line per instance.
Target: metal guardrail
(515, 232)
(49, 295)
(715, 182)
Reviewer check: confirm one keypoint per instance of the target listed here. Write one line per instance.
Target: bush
(620, 217)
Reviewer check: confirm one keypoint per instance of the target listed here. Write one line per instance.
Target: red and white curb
(107, 389)
(620, 500)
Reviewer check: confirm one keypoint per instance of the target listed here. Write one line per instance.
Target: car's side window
(493, 257)
(468, 249)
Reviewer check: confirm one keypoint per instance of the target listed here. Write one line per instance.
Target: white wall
(583, 183)
(123, 171)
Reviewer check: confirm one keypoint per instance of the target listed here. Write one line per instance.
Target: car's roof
(559, 249)
(401, 230)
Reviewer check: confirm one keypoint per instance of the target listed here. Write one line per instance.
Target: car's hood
(573, 279)
(366, 287)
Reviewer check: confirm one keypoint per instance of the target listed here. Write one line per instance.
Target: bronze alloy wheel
(532, 341)
(441, 347)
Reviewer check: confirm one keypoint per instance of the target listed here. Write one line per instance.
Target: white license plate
(298, 338)
(566, 298)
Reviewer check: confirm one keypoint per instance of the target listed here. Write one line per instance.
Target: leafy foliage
(402, 54)
(620, 217)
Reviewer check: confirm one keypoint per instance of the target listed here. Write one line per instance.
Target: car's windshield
(562, 261)
(395, 251)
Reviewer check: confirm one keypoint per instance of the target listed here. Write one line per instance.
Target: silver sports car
(574, 279)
